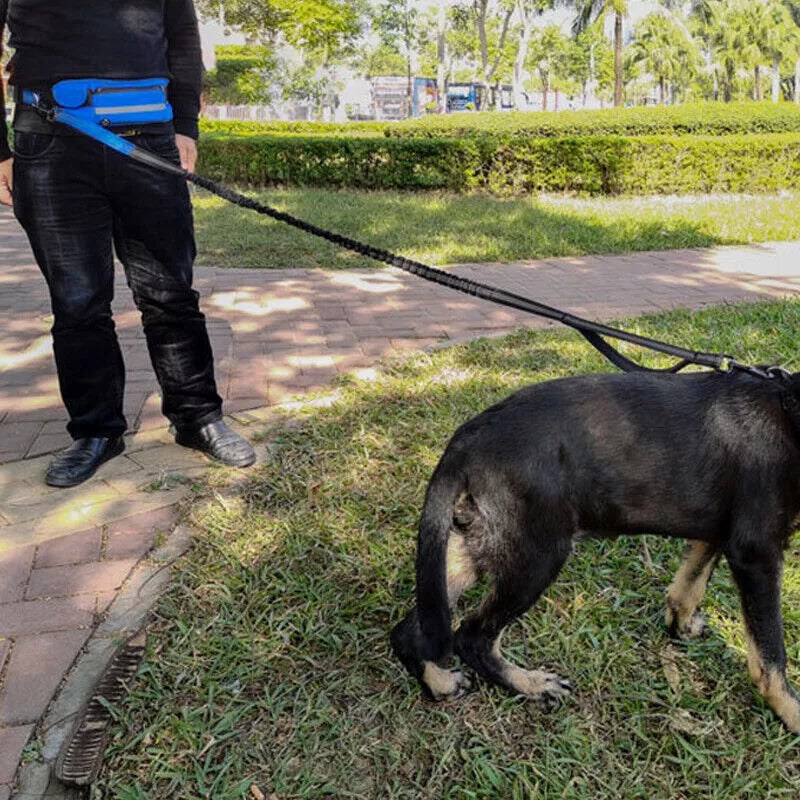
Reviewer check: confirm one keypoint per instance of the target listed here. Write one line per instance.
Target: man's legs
(154, 239)
(58, 199)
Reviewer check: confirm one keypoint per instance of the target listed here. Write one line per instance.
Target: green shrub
(236, 127)
(588, 164)
(712, 119)
(227, 82)
(708, 119)
(368, 162)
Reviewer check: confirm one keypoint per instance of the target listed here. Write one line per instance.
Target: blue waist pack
(110, 103)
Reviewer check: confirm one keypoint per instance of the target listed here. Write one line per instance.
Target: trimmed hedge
(239, 127)
(709, 119)
(589, 164)
(368, 162)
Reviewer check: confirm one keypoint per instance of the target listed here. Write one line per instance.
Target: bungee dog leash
(92, 106)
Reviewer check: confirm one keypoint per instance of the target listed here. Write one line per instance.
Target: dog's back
(640, 453)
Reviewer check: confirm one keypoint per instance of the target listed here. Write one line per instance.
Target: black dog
(709, 457)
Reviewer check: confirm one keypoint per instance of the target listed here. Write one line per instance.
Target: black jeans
(78, 201)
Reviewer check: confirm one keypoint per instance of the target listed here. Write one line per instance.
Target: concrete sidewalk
(65, 553)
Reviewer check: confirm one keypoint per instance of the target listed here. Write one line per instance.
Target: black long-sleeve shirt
(113, 39)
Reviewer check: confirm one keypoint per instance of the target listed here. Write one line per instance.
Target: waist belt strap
(108, 103)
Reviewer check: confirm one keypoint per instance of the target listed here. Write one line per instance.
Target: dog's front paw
(545, 688)
(553, 692)
(695, 627)
(444, 684)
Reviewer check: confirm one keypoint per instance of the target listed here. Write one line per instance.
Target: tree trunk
(481, 21)
(409, 89)
(441, 59)
(489, 69)
(776, 80)
(522, 52)
(590, 89)
(618, 59)
(758, 83)
(545, 90)
(797, 81)
(661, 96)
(709, 58)
(409, 69)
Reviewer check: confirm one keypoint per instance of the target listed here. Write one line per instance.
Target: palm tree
(588, 12)
(746, 34)
(700, 26)
(793, 10)
(730, 37)
(664, 50)
(765, 21)
(779, 41)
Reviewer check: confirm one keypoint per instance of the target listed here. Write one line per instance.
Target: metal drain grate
(82, 755)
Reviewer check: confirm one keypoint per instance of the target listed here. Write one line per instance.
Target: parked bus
(464, 97)
(476, 97)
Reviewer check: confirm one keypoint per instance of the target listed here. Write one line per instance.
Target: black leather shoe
(81, 459)
(218, 441)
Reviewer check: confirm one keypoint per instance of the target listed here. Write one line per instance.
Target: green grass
(269, 663)
(440, 228)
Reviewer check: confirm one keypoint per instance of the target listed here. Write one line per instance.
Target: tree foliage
(314, 24)
(726, 49)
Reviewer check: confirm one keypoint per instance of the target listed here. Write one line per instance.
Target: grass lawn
(442, 228)
(269, 661)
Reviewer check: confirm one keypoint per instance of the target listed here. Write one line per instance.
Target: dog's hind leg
(409, 642)
(687, 589)
(758, 571)
(516, 589)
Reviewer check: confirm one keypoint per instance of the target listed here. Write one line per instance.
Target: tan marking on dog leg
(542, 686)
(688, 588)
(444, 683)
(773, 686)
(461, 572)
(753, 658)
(784, 702)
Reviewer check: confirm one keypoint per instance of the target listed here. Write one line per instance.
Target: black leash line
(593, 332)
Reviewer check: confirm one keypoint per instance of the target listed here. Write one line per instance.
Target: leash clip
(48, 113)
(778, 373)
(766, 373)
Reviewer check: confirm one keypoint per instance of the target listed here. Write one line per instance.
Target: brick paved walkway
(65, 553)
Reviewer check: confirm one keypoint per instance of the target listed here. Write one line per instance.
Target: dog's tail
(426, 634)
(433, 607)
